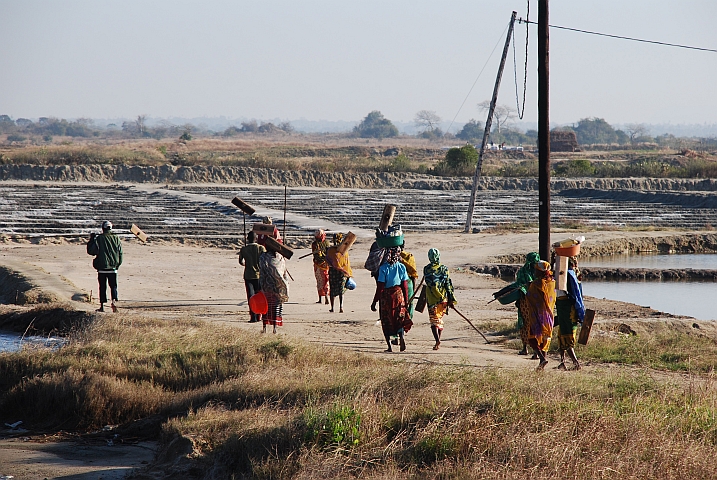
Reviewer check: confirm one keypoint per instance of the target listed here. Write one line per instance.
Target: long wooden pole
(543, 131)
(488, 123)
(284, 215)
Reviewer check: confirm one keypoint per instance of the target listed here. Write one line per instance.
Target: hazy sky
(340, 59)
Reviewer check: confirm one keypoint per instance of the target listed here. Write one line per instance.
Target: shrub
(460, 158)
(16, 138)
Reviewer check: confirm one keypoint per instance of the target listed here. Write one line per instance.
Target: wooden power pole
(488, 123)
(543, 132)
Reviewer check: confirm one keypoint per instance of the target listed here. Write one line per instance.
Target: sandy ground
(170, 282)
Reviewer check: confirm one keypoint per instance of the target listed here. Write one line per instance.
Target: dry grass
(265, 407)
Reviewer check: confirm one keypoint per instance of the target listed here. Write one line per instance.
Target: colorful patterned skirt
(337, 280)
(394, 317)
(273, 315)
(539, 326)
(322, 280)
(567, 319)
(435, 314)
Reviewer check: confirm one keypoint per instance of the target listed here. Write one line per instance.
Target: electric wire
(521, 111)
(655, 42)
(476, 80)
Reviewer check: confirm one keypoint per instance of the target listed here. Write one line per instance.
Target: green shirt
(249, 257)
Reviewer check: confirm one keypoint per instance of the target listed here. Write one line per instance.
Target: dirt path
(171, 281)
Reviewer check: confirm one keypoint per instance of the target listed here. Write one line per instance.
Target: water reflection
(706, 261)
(13, 342)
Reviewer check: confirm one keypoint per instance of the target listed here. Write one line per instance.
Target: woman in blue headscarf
(439, 293)
(392, 296)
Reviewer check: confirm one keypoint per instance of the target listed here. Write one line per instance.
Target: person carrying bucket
(249, 258)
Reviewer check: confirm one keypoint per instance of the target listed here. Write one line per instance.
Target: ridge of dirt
(309, 178)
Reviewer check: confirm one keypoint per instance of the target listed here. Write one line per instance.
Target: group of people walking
(265, 271)
(396, 275)
(541, 306)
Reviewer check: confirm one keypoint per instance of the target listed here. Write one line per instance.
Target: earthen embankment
(311, 178)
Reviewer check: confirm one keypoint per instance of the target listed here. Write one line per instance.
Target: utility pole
(543, 132)
(488, 123)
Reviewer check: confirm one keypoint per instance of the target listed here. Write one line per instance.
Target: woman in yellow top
(410, 263)
(339, 271)
(439, 293)
(537, 311)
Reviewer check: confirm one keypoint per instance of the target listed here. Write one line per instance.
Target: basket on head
(568, 251)
(258, 303)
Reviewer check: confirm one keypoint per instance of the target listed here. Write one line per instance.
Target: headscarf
(393, 255)
(320, 235)
(434, 256)
(439, 287)
(272, 275)
(338, 238)
(526, 274)
(267, 220)
(543, 266)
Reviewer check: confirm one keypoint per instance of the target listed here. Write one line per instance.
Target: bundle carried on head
(393, 237)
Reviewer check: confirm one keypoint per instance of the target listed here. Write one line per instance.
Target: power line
(476, 80)
(520, 20)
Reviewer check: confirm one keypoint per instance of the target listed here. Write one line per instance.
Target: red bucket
(258, 303)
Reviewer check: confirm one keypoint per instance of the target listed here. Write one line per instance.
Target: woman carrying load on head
(274, 282)
(525, 275)
(321, 266)
(439, 293)
(538, 311)
(391, 296)
(570, 310)
(261, 238)
(339, 271)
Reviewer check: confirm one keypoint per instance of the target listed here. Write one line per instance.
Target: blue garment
(575, 292)
(392, 275)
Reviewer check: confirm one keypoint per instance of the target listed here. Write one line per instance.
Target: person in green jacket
(107, 250)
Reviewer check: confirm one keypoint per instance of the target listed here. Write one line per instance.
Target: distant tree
(501, 114)
(460, 158)
(231, 131)
(434, 134)
(426, 120)
(187, 134)
(287, 127)
(472, 131)
(140, 124)
(249, 127)
(16, 138)
(6, 123)
(23, 122)
(635, 130)
(622, 137)
(375, 125)
(594, 130)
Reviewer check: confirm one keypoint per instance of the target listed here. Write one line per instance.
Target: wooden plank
(264, 229)
(387, 217)
(587, 326)
(561, 264)
(347, 243)
(138, 233)
(243, 206)
(422, 300)
(279, 248)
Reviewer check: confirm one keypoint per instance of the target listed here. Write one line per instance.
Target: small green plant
(434, 448)
(338, 427)
(400, 163)
(162, 149)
